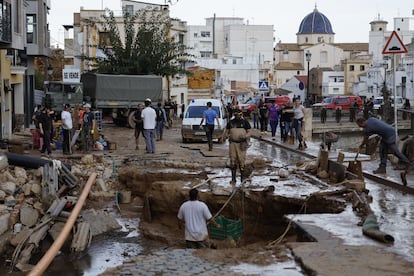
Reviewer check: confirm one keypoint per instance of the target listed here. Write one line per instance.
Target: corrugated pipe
(371, 229)
(44, 263)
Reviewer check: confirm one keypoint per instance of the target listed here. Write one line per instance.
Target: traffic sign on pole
(263, 86)
(394, 45)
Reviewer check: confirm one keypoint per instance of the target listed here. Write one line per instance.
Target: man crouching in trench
(238, 130)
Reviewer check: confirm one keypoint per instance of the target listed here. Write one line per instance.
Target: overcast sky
(350, 19)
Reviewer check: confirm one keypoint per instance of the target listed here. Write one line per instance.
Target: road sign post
(263, 86)
(394, 46)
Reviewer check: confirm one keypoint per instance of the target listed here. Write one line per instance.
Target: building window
(181, 38)
(351, 68)
(5, 22)
(205, 34)
(104, 40)
(324, 57)
(205, 54)
(31, 28)
(16, 17)
(234, 61)
(195, 34)
(129, 10)
(362, 68)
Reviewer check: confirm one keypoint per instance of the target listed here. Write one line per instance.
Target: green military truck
(117, 96)
(58, 93)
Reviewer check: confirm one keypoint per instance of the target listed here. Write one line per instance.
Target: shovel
(355, 166)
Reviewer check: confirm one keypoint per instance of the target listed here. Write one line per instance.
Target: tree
(147, 47)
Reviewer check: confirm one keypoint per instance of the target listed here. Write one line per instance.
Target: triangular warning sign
(394, 45)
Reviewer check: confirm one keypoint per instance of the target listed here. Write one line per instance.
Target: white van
(379, 101)
(190, 128)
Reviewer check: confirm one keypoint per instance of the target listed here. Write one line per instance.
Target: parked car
(379, 101)
(250, 105)
(278, 99)
(344, 102)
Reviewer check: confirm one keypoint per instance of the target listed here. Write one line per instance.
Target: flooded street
(393, 209)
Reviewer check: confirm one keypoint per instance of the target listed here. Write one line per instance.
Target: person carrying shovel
(388, 144)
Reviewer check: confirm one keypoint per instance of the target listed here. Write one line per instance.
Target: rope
(204, 182)
(233, 193)
(281, 237)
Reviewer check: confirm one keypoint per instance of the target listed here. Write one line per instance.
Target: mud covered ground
(159, 184)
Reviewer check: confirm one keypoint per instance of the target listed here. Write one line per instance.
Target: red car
(344, 102)
(278, 99)
(250, 105)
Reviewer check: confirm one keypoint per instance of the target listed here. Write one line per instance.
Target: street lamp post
(308, 56)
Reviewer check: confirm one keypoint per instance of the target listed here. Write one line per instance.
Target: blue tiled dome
(315, 23)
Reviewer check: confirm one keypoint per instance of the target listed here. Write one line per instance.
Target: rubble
(28, 212)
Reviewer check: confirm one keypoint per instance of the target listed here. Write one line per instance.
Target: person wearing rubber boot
(388, 142)
(238, 130)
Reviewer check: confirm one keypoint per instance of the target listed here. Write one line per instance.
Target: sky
(350, 19)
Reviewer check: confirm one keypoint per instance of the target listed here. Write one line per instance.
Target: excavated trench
(161, 185)
(260, 205)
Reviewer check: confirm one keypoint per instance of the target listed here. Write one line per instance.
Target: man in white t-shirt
(195, 214)
(149, 117)
(66, 128)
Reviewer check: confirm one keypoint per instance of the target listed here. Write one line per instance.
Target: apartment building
(24, 35)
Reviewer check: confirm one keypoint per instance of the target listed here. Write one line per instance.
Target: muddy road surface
(148, 241)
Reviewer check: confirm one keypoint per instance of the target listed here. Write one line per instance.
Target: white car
(379, 101)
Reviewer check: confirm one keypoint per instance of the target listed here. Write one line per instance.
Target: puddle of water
(106, 251)
(395, 215)
(288, 268)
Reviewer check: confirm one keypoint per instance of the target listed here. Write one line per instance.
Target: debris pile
(36, 199)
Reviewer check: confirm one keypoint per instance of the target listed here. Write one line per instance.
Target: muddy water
(106, 251)
(394, 209)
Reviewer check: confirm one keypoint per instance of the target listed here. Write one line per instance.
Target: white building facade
(241, 54)
(382, 66)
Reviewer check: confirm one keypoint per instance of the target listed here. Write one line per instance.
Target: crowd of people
(46, 132)
(289, 117)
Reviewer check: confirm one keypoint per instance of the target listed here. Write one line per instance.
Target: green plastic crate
(229, 228)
